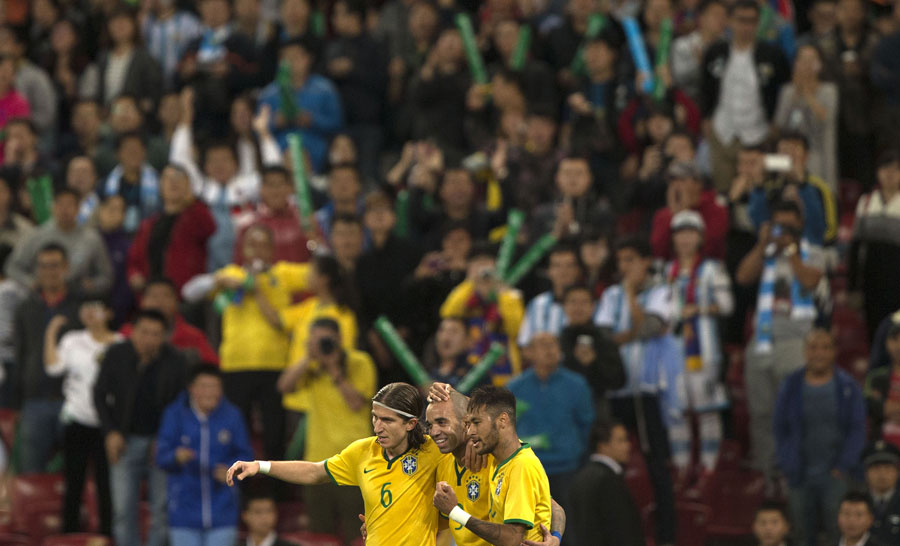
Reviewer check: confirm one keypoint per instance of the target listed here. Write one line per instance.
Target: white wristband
(459, 515)
(264, 466)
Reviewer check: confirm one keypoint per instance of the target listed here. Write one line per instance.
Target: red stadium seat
(638, 479)
(291, 515)
(693, 519)
(8, 420)
(37, 503)
(77, 539)
(302, 538)
(13, 539)
(733, 496)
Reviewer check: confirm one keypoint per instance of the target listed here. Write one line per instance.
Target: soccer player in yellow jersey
(395, 470)
(445, 422)
(519, 488)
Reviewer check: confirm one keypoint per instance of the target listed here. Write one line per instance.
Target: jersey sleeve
(342, 468)
(606, 311)
(522, 496)
(290, 316)
(659, 302)
(293, 275)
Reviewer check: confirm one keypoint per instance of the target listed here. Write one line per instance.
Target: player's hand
(472, 460)
(546, 539)
(362, 528)
(241, 470)
(444, 497)
(439, 392)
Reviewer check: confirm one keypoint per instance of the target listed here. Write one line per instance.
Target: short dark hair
(204, 369)
(859, 497)
(637, 244)
(66, 191)
(601, 432)
(887, 158)
(744, 4)
(793, 136)
(494, 400)
(773, 506)
(326, 323)
(577, 287)
(53, 246)
(161, 281)
(257, 497)
(129, 135)
(346, 218)
(179, 168)
(217, 144)
(482, 249)
(277, 170)
(408, 399)
(706, 4)
(787, 206)
(302, 42)
(355, 7)
(26, 122)
(151, 315)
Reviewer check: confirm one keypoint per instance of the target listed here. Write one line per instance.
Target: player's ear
(411, 424)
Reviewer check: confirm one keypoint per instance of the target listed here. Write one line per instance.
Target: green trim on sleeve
(330, 475)
(527, 524)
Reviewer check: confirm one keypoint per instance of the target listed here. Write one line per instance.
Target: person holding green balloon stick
(301, 181)
(473, 55)
(535, 254)
(514, 222)
(662, 58)
(402, 352)
(40, 190)
(520, 53)
(595, 25)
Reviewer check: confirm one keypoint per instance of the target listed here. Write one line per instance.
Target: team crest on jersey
(473, 489)
(409, 464)
(499, 485)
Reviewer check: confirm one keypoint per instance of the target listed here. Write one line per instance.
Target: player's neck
(460, 454)
(507, 447)
(397, 451)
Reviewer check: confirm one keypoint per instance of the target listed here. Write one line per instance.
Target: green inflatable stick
(532, 257)
(41, 192)
(473, 55)
(477, 373)
(402, 351)
(662, 57)
(286, 93)
(301, 181)
(595, 25)
(523, 44)
(514, 221)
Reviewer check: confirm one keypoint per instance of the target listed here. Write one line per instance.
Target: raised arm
(299, 472)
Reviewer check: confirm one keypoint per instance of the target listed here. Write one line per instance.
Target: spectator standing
(545, 311)
(138, 378)
(602, 506)
(167, 31)
(883, 393)
(855, 520)
(881, 461)
(883, 72)
(110, 218)
(739, 90)
(13, 226)
(588, 349)
(819, 423)
(788, 270)
(77, 358)
(254, 351)
(688, 50)
(200, 435)
(31, 81)
(701, 294)
(637, 311)
(172, 243)
(451, 352)
(135, 180)
(37, 394)
(160, 294)
(90, 269)
(338, 384)
(875, 251)
(276, 211)
(809, 106)
(81, 176)
(318, 115)
(556, 415)
(344, 196)
(357, 63)
(126, 68)
(685, 192)
(577, 207)
(12, 104)
(492, 311)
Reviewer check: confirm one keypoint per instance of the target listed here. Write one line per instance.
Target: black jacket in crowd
(119, 382)
(606, 372)
(30, 380)
(887, 521)
(772, 71)
(604, 512)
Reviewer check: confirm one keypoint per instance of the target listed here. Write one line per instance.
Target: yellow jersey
(331, 425)
(397, 492)
(297, 319)
(471, 493)
(520, 492)
(249, 342)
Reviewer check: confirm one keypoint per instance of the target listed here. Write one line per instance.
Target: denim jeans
(136, 464)
(814, 508)
(41, 430)
(217, 536)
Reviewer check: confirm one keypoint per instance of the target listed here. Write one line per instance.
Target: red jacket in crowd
(185, 254)
(715, 216)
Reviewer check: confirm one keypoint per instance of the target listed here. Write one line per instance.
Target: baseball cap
(688, 219)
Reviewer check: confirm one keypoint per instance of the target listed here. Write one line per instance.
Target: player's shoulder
(364, 447)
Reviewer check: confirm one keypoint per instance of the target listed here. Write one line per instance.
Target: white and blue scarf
(150, 200)
(802, 305)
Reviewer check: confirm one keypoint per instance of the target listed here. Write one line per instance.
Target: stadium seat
(302, 538)
(693, 519)
(733, 496)
(8, 420)
(37, 503)
(77, 539)
(13, 539)
(638, 479)
(290, 516)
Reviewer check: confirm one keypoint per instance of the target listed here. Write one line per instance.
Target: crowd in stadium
(670, 228)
